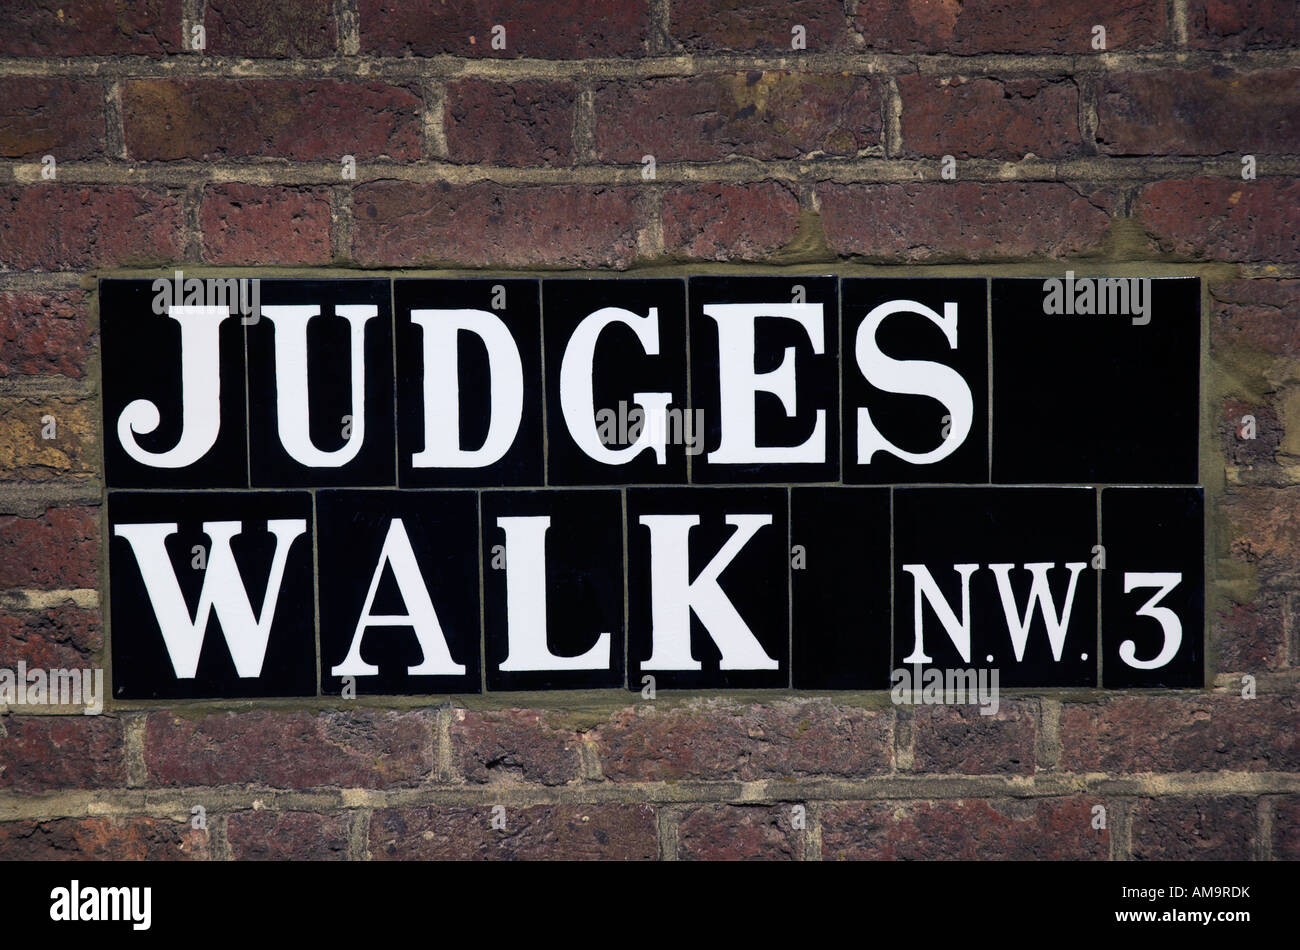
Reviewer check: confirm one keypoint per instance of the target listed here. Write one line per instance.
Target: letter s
(912, 377)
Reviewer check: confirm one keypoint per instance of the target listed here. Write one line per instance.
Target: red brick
(958, 739)
(548, 29)
(729, 222)
(249, 224)
(708, 25)
(550, 832)
(513, 743)
(1193, 829)
(757, 114)
(103, 839)
(75, 227)
(739, 833)
(1286, 829)
(1041, 829)
(963, 220)
(168, 119)
(58, 117)
(287, 836)
(1257, 452)
(57, 638)
(1232, 25)
(90, 28)
(40, 753)
(1256, 315)
(995, 26)
(1200, 733)
(1263, 531)
(1223, 218)
(714, 740)
(517, 124)
(989, 118)
(1198, 112)
(44, 334)
(290, 749)
(1253, 637)
(271, 28)
(491, 225)
(55, 551)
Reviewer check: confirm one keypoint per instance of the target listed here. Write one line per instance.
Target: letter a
(421, 616)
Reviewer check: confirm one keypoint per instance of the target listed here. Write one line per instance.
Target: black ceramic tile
(1153, 588)
(600, 392)
(773, 417)
(496, 349)
(142, 360)
(563, 549)
(915, 380)
(840, 582)
(1096, 398)
(155, 571)
(731, 629)
(329, 450)
(390, 555)
(937, 529)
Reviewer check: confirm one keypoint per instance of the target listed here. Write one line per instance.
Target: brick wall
(530, 158)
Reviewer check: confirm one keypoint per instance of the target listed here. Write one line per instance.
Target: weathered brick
(513, 743)
(1200, 828)
(25, 452)
(290, 749)
(1173, 733)
(40, 753)
(1253, 637)
(249, 224)
(74, 227)
(57, 638)
(759, 114)
(301, 120)
(549, 29)
(959, 739)
(56, 551)
(717, 740)
(1198, 112)
(491, 225)
(995, 26)
(739, 833)
(519, 123)
(729, 222)
(1041, 829)
(1231, 25)
(287, 836)
(551, 832)
(1263, 531)
(963, 220)
(90, 28)
(1286, 829)
(1252, 318)
(1223, 218)
(59, 117)
(271, 28)
(103, 839)
(44, 334)
(709, 25)
(1255, 343)
(1260, 450)
(988, 117)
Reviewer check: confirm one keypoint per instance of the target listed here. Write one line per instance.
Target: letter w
(1040, 595)
(223, 591)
